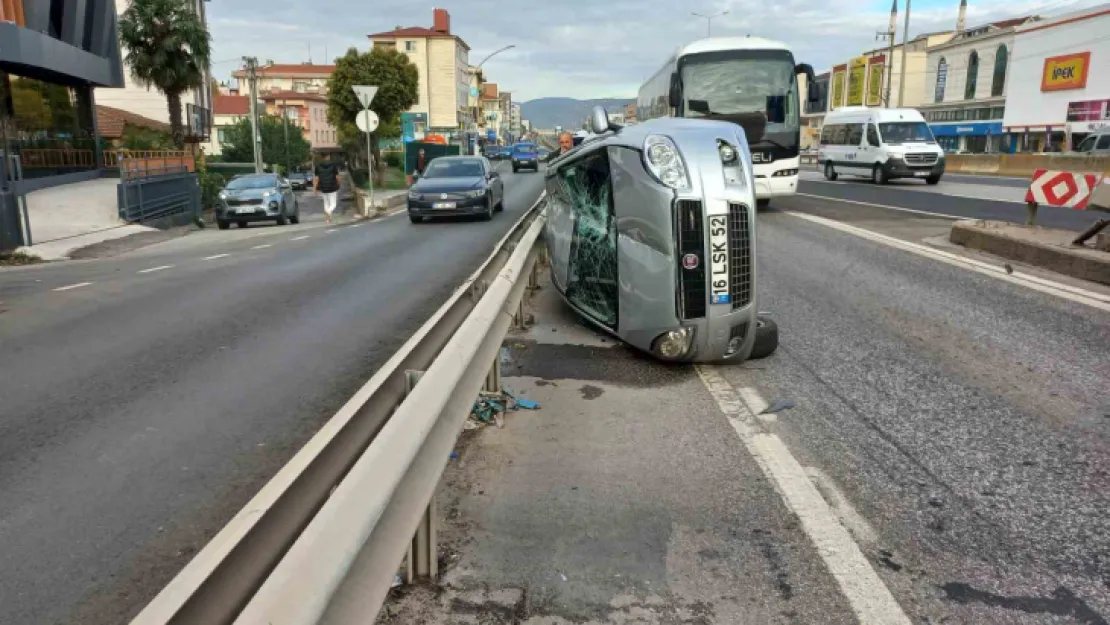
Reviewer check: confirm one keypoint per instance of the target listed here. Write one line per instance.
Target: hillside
(546, 113)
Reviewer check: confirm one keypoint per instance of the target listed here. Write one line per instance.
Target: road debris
(491, 408)
(778, 405)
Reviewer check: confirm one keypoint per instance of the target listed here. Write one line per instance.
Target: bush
(393, 159)
(359, 177)
(210, 183)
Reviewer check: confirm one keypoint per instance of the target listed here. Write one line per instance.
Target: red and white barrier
(1065, 189)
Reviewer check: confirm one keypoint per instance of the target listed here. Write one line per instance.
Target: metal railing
(322, 541)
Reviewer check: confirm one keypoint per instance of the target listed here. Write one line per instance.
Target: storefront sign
(1089, 111)
(1065, 72)
(975, 129)
(875, 85)
(857, 75)
(838, 90)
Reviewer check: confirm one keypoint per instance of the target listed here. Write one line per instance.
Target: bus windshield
(724, 84)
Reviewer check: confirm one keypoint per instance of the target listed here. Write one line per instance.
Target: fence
(160, 192)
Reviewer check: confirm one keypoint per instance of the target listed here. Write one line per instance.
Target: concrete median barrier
(1023, 165)
(1048, 248)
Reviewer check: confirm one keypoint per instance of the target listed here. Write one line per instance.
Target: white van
(880, 144)
(1098, 142)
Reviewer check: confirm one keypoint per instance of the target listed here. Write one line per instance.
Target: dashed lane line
(216, 256)
(154, 269)
(300, 238)
(73, 286)
(261, 247)
(869, 598)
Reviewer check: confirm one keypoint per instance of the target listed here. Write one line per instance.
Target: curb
(1077, 262)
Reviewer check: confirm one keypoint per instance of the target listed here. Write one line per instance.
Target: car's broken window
(592, 283)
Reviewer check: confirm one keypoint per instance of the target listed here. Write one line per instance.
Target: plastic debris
(397, 581)
(491, 408)
(454, 455)
(778, 405)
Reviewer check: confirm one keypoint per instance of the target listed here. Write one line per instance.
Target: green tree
(397, 80)
(237, 147)
(141, 138)
(168, 48)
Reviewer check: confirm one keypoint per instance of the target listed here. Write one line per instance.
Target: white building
(965, 86)
(196, 104)
(1059, 85)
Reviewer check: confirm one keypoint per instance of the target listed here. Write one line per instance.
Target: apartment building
(151, 103)
(492, 118)
(301, 78)
(227, 110)
(442, 59)
(307, 112)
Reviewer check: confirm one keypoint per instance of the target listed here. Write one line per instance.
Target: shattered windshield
(730, 84)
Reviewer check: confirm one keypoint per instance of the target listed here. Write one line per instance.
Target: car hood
(448, 185)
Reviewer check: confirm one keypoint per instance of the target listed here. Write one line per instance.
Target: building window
(942, 78)
(972, 75)
(300, 86)
(49, 125)
(221, 135)
(410, 46)
(998, 84)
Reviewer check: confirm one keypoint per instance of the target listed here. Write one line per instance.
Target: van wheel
(830, 173)
(766, 338)
(878, 176)
(762, 204)
(932, 180)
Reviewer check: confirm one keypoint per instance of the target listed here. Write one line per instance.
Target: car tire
(416, 219)
(516, 169)
(766, 338)
(763, 204)
(488, 215)
(242, 224)
(878, 176)
(932, 180)
(223, 224)
(830, 172)
(281, 220)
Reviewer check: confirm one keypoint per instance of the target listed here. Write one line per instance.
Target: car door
(856, 154)
(872, 146)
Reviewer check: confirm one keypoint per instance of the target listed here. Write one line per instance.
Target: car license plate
(921, 174)
(718, 259)
(244, 210)
(443, 205)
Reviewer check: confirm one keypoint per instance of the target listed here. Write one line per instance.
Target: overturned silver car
(651, 235)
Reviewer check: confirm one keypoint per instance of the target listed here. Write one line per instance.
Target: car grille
(921, 158)
(739, 256)
(435, 197)
(691, 240)
(238, 202)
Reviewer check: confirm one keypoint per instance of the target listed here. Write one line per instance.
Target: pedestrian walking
(326, 182)
(421, 162)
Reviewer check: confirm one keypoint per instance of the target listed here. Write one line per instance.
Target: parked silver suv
(651, 234)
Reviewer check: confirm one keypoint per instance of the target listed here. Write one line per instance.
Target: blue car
(525, 156)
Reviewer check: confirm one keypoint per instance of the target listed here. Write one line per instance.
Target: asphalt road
(146, 397)
(966, 197)
(945, 457)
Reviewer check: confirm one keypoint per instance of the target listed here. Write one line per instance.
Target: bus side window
(855, 135)
(873, 135)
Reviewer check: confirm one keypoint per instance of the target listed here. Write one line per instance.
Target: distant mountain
(547, 113)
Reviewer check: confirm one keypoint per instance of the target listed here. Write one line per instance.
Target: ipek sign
(1068, 71)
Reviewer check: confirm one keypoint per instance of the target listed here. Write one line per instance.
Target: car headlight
(476, 193)
(413, 195)
(664, 162)
(674, 344)
(223, 195)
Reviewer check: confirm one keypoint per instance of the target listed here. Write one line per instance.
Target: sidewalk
(1048, 248)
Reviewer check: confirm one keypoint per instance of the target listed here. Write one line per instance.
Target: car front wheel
(488, 215)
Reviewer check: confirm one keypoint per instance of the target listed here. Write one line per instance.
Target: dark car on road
(525, 156)
(300, 180)
(257, 197)
(456, 185)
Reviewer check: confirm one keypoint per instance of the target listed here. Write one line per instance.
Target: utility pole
(902, 71)
(285, 122)
(891, 31)
(256, 138)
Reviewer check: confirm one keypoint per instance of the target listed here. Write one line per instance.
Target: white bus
(747, 80)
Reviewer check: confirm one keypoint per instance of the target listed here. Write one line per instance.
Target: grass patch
(394, 180)
(18, 258)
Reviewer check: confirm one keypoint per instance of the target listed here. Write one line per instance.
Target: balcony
(12, 11)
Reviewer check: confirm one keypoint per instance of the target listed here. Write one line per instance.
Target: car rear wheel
(223, 224)
(830, 172)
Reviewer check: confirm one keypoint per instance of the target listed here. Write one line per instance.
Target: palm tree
(167, 48)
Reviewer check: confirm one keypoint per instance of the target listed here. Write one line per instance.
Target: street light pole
(709, 21)
(477, 72)
(252, 86)
(285, 121)
(902, 71)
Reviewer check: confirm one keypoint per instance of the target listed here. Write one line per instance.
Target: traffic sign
(365, 94)
(367, 121)
(1065, 189)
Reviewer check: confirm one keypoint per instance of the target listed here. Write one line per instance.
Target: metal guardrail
(323, 539)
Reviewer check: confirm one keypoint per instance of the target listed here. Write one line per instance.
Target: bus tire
(830, 172)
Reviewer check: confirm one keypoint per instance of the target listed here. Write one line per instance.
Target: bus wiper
(773, 142)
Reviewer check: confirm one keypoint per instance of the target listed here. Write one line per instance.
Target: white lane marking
(216, 256)
(355, 225)
(158, 268)
(886, 206)
(842, 507)
(330, 231)
(301, 238)
(868, 596)
(261, 247)
(1065, 291)
(73, 286)
(932, 190)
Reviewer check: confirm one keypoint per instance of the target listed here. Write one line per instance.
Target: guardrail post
(422, 560)
(1031, 213)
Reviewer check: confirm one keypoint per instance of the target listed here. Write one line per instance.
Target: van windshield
(895, 133)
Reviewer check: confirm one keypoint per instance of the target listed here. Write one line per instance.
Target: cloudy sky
(582, 48)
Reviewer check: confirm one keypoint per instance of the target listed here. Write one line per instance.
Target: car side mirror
(599, 120)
